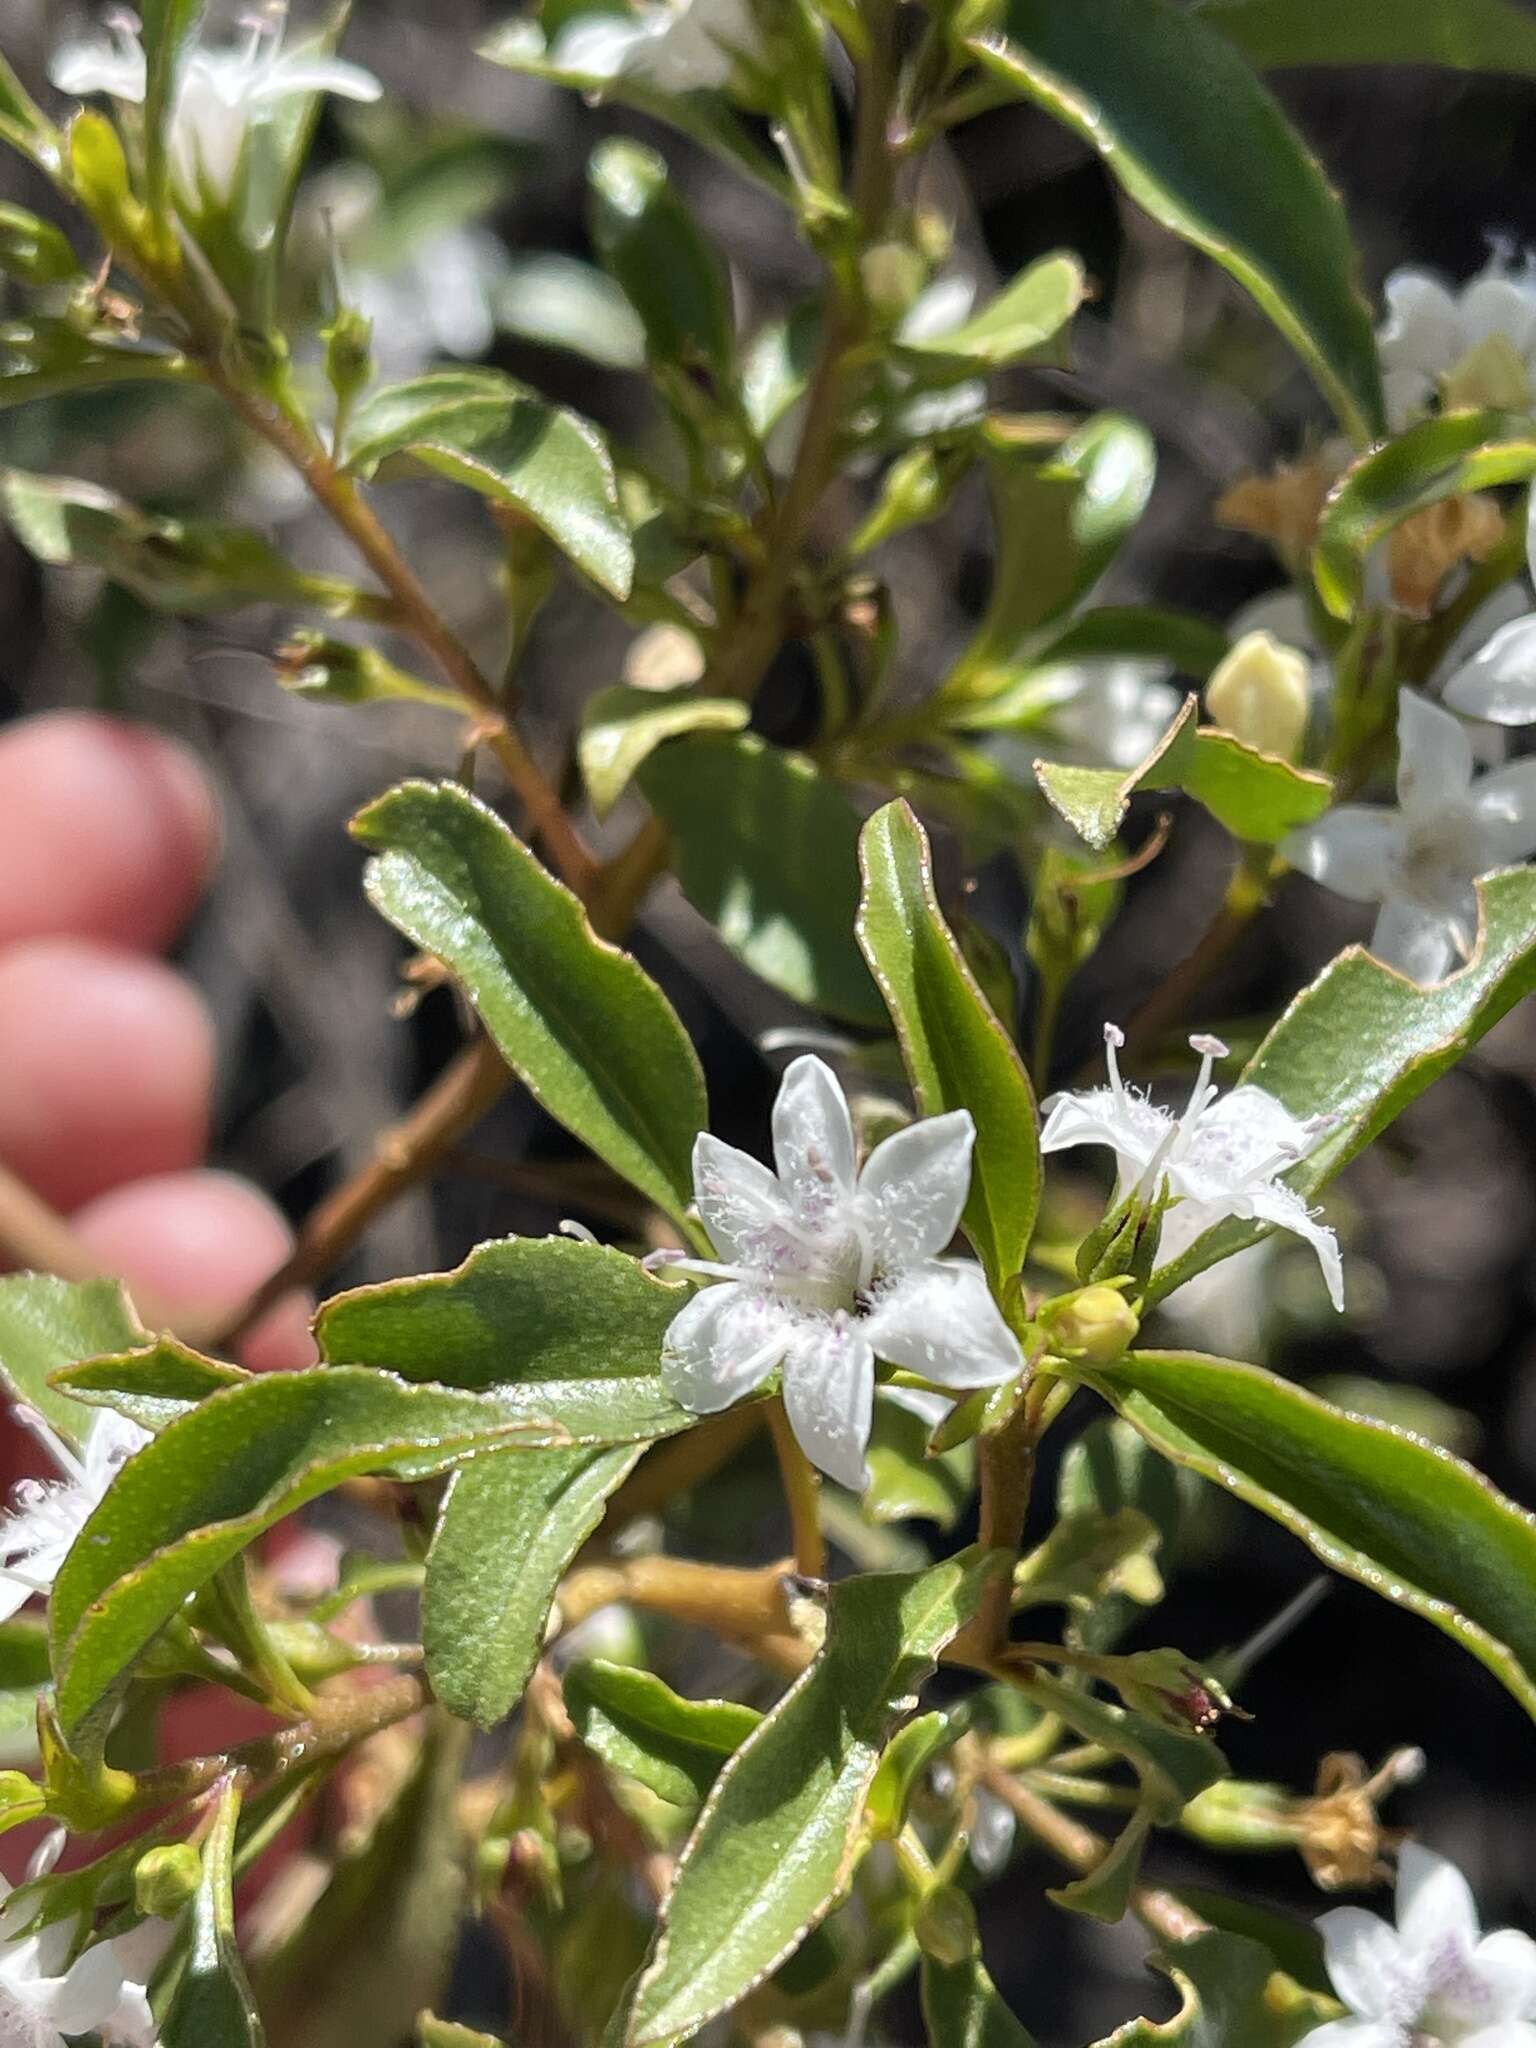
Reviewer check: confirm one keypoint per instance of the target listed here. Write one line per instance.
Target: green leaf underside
(1362, 1041)
(547, 1326)
(905, 1483)
(778, 1839)
(1439, 458)
(767, 851)
(213, 2006)
(486, 431)
(152, 1384)
(1409, 1520)
(1094, 801)
(623, 725)
(1230, 1997)
(1462, 35)
(1171, 106)
(963, 2008)
(1257, 797)
(1024, 319)
(649, 241)
(507, 1531)
(580, 1021)
(957, 1054)
(48, 1324)
(212, 1482)
(637, 1724)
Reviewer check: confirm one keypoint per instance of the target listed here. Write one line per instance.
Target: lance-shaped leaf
(213, 1481)
(768, 851)
(1170, 105)
(584, 1026)
(504, 441)
(152, 1384)
(1463, 35)
(958, 1055)
(637, 1724)
(213, 2006)
(550, 1327)
(47, 1324)
(1361, 1042)
(1026, 321)
(1439, 458)
(652, 246)
(779, 1837)
(1258, 797)
(1229, 1993)
(507, 1530)
(1376, 1503)
(1094, 801)
(963, 2008)
(623, 726)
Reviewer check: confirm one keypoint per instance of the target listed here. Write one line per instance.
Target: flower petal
(1423, 329)
(1132, 1127)
(297, 74)
(1499, 681)
(1505, 803)
(914, 1186)
(1368, 1962)
(813, 1143)
(1418, 943)
(722, 1344)
(940, 1321)
(1502, 2034)
(1505, 1964)
(1283, 1207)
(829, 1396)
(1494, 303)
(737, 1196)
(1434, 1903)
(1354, 2034)
(1350, 851)
(1434, 761)
(89, 1995)
(115, 68)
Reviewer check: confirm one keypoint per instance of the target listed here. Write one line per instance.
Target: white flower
(44, 1997)
(677, 45)
(1102, 714)
(224, 95)
(47, 1515)
(1419, 861)
(830, 1269)
(1433, 1981)
(1222, 1157)
(1475, 346)
(993, 1829)
(1494, 676)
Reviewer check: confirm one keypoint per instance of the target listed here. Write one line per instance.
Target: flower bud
(165, 1879)
(946, 1925)
(348, 353)
(893, 275)
(1232, 1814)
(1096, 1324)
(1260, 695)
(1167, 1687)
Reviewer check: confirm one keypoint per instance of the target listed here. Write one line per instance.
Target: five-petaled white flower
(825, 1269)
(44, 1996)
(1495, 677)
(1222, 1157)
(678, 45)
(47, 1515)
(1475, 346)
(223, 97)
(1433, 1981)
(1420, 860)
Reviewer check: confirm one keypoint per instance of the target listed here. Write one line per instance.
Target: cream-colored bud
(1260, 695)
(1097, 1324)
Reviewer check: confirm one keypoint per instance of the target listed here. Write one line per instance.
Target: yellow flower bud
(1260, 695)
(1096, 1324)
(164, 1879)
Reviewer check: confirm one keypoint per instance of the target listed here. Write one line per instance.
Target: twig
(802, 1495)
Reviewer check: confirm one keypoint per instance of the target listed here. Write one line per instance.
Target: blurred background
(459, 207)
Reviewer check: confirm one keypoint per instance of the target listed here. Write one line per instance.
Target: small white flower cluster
(44, 1996)
(47, 1515)
(1472, 346)
(675, 45)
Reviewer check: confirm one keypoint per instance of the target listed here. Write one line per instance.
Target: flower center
(1443, 854)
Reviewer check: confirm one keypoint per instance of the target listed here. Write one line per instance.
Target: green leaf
(331, 671)
(436, 2033)
(153, 1384)
(1463, 35)
(548, 1326)
(491, 433)
(906, 1484)
(651, 245)
(1110, 1472)
(221, 1475)
(585, 1027)
(1258, 797)
(1061, 510)
(1229, 1993)
(1024, 322)
(33, 250)
(779, 1837)
(622, 726)
(1090, 1558)
(1170, 106)
(907, 1756)
(213, 2006)
(963, 2008)
(507, 1531)
(1072, 906)
(559, 302)
(1361, 1042)
(768, 851)
(1439, 458)
(635, 1722)
(957, 1054)
(1094, 801)
(47, 1324)
(1400, 1515)
(23, 124)
(25, 1673)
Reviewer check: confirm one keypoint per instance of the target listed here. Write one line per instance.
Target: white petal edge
(736, 1195)
(829, 1397)
(1499, 681)
(1367, 1961)
(914, 1187)
(1434, 1902)
(1505, 803)
(1350, 851)
(721, 1345)
(813, 1138)
(1416, 942)
(1434, 761)
(940, 1321)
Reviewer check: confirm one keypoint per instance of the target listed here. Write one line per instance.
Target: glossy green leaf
(213, 2006)
(1258, 797)
(47, 1324)
(1381, 1506)
(549, 1326)
(435, 2033)
(491, 433)
(651, 245)
(637, 1724)
(907, 1756)
(560, 302)
(22, 122)
(623, 726)
(957, 1054)
(963, 2008)
(33, 250)
(768, 851)
(507, 1531)
(1462, 35)
(213, 1481)
(1229, 1993)
(1170, 106)
(25, 1672)
(585, 1027)
(1439, 458)
(905, 1483)
(1094, 801)
(779, 1837)
(151, 1383)
(1025, 321)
